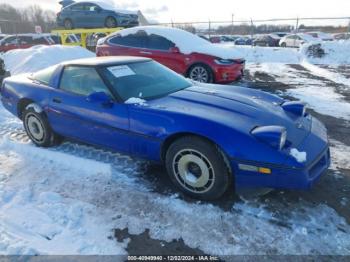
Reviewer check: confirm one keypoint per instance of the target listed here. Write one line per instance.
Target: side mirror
(174, 50)
(100, 98)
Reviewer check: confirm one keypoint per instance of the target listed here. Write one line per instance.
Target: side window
(138, 40)
(82, 81)
(77, 7)
(159, 43)
(40, 41)
(11, 40)
(44, 76)
(91, 7)
(25, 40)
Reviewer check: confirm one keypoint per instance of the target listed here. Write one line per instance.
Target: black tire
(68, 24)
(38, 129)
(201, 73)
(111, 22)
(283, 45)
(203, 162)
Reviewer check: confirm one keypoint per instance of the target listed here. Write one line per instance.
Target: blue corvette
(208, 136)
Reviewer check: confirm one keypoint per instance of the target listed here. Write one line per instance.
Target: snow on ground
(258, 54)
(336, 53)
(319, 95)
(340, 155)
(322, 72)
(51, 206)
(41, 56)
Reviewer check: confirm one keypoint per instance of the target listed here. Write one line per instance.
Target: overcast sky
(202, 10)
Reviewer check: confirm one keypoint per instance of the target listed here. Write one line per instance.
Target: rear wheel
(68, 24)
(110, 22)
(38, 128)
(201, 73)
(284, 44)
(198, 168)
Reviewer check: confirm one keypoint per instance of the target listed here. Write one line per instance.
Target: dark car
(243, 41)
(22, 41)
(265, 40)
(94, 15)
(215, 39)
(209, 137)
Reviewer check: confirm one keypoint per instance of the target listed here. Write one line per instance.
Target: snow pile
(37, 219)
(187, 42)
(336, 52)
(41, 56)
(300, 157)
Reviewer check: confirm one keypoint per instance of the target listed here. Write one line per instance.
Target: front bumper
(289, 176)
(228, 74)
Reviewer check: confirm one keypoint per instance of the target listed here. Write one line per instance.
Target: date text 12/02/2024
(174, 258)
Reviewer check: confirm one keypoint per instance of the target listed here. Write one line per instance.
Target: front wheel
(110, 22)
(38, 128)
(197, 168)
(201, 73)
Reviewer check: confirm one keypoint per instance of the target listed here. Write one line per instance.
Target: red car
(181, 51)
(22, 41)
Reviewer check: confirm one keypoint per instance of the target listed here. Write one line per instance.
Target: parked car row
(22, 41)
(282, 39)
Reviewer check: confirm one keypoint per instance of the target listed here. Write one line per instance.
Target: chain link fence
(264, 26)
(232, 27)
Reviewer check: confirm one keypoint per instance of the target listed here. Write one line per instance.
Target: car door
(299, 41)
(165, 52)
(25, 41)
(292, 41)
(94, 15)
(71, 114)
(77, 15)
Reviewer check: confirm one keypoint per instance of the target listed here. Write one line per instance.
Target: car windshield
(145, 80)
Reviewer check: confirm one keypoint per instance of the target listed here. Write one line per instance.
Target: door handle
(57, 100)
(145, 53)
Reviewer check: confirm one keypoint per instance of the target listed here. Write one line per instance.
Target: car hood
(237, 107)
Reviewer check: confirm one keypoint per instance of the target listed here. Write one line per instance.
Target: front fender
(236, 143)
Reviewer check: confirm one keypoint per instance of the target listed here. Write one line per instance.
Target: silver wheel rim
(193, 171)
(199, 74)
(35, 128)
